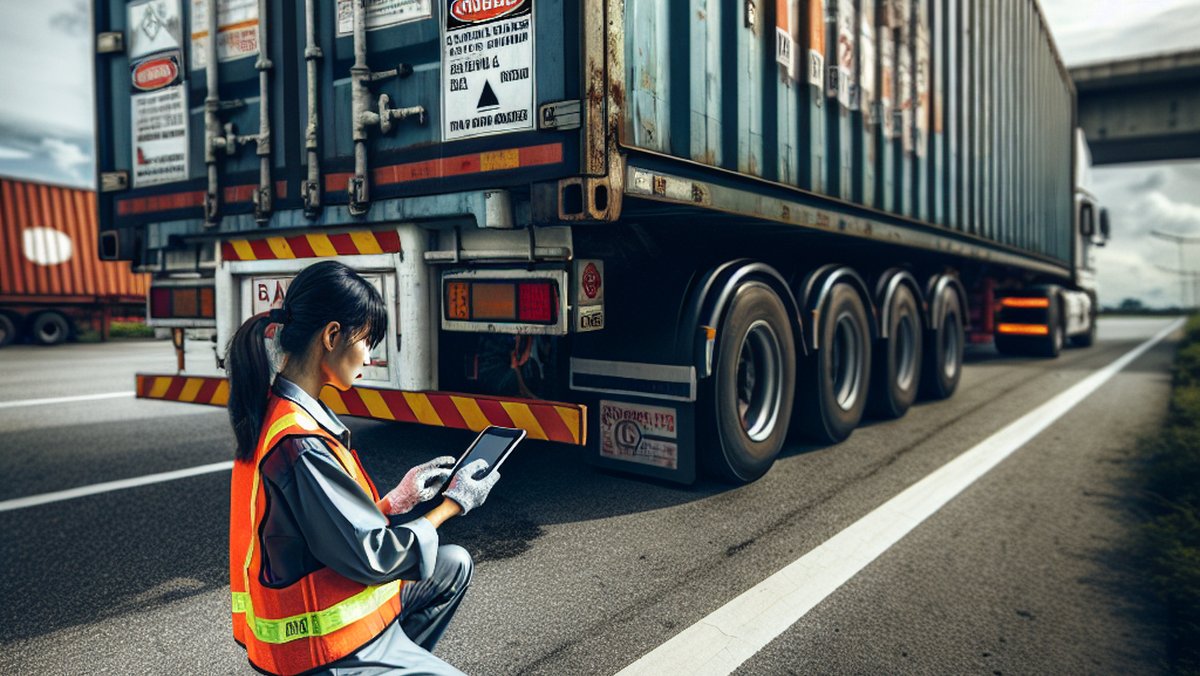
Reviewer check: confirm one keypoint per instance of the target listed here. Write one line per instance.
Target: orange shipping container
(48, 240)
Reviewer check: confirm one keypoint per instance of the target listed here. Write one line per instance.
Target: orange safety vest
(323, 616)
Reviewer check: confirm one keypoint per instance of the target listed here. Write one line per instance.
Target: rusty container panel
(937, 123)
(887, 138)
(841, 28)
(746, 102)
(648, 50)
(703, 22)
(921, 106)
(868, 86)
(906, 92)
(812, 127)
(48, 241)
(788, 69)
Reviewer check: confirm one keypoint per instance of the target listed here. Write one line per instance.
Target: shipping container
(620, 210)
(50, 272)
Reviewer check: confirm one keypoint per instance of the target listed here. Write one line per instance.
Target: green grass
(1173, 527)
(130, 330)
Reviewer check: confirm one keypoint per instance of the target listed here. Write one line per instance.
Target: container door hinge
(114, 181)
(111, 42)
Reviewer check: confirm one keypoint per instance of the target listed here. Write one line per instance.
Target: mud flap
(648, 437)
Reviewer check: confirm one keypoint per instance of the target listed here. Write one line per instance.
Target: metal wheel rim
(906, 349)
(759, 381)
(48, 331)
(846, 361)
(950, 340)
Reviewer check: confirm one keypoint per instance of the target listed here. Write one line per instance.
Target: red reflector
(160, 302)
(536, 302)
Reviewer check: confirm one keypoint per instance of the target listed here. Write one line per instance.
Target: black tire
(1086, 339)
(8, 330)
(896, 374)
(750, 395)
(944, 345)
(49, 328)
(1050, 346)
(837, 378)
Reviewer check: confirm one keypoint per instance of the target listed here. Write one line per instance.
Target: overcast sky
(46, 120)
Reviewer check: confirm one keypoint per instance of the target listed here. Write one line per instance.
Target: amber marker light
(1024, 329)
(1026, 302)
(458, 303)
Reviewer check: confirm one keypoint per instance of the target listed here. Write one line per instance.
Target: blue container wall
(417, 44)
(955, 113)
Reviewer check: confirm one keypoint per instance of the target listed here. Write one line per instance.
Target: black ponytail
(325, 292)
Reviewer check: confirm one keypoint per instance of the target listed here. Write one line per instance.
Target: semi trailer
(52, 284)
(672, 233)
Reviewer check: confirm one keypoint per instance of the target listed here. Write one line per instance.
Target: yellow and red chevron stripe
(189, 389)
(547, 420)
(316, 245)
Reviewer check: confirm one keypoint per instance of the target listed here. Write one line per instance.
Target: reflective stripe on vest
(311, 625)
(319, 623)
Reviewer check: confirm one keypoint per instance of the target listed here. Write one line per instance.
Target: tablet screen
(492, 445)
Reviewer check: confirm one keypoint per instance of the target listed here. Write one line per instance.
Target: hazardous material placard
(237, 30)
(160, 147)
(154, 26)
(381, 14)
(487, 68)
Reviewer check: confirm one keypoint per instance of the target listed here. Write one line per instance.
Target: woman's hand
(421, 483)
(471, 485)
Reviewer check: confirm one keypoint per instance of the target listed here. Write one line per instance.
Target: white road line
(65, 400)
(57, 496)
(721, 642)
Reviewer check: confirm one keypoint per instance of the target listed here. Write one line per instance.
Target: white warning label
(160, 148)
(637, 433)
(237, 30)
(381, 14)
(154, 26)
(487, 68)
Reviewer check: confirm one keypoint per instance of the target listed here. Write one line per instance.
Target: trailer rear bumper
(546, 420)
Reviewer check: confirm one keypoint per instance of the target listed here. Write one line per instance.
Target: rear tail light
(182, 302)
(537, 302)
(511, 301)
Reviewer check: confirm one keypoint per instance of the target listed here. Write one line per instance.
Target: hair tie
(279, 316)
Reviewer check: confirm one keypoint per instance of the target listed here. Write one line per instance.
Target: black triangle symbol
(488, 98)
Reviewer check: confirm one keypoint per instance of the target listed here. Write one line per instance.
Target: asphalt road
(1029, 570)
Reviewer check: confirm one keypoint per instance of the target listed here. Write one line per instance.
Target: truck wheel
(1053, 343)
(838, 376)
(49, 328)
(1086, 339)
(944, 351)
(752, 388)
(8, 330)
(897, 371)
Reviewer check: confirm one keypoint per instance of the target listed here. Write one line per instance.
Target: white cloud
(68, 158)
(7, 153)
(1179, 217)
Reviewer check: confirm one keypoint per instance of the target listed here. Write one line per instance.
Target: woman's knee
(457, 562)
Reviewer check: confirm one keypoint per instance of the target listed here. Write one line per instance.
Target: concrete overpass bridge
(1141, 110)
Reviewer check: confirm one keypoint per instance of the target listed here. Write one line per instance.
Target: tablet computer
(493, 445)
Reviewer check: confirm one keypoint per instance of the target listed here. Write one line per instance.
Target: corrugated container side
(944, 111)
(48, 245)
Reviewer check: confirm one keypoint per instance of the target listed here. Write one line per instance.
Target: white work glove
(467, 490)
(421, 483)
